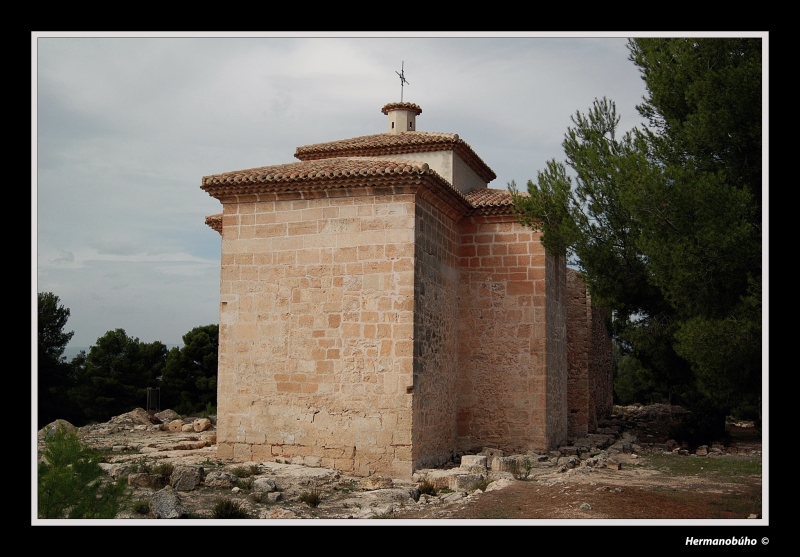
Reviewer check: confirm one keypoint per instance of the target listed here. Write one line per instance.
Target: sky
(125, 127)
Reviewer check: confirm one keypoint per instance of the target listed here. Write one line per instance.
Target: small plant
(312, 498)
(245, 483)
(254, 470)
(521, 472)
(427, 488)
(243, 471)
(228, 508)
(142, 506)
(163, 469)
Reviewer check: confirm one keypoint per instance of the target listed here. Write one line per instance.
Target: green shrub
(228, 508)
(142, 506)
(70, 481)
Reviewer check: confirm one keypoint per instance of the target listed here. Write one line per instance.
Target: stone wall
(590, 377)
(555, 298)
(601, 374)
(578, 339)
(435, 335)
(502, 400)
(316, 328)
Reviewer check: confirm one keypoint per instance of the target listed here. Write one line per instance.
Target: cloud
(110, 247)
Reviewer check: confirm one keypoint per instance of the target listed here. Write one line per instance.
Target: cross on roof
(402, 80)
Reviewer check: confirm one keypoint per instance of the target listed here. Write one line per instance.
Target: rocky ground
(626, 470)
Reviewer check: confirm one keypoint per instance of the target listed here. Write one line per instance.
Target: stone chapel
(382, 311)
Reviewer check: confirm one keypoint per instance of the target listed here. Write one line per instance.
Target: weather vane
(402, 80)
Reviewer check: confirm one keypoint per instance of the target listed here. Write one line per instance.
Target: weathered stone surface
(499, 484)
(264, 485)
(376, 482)
(186, 478)
(53, 426)
(176, 425)
(152, 481)
(116, 470)
(469, 460)
(187, 427)
(167, 504)
(702, 450)
(201, 424)
(220, 480)
(138, 416)
(167, 416)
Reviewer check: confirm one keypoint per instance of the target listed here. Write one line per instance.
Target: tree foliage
(55, 374)
(665, 220)
(113, 377)
(189, 383)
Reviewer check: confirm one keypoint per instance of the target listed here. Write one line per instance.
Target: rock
(167, 504)
(277, 513)
(176, 425)
(209, 437)
(468, 461)
(116, 471)
(274, 497)
(152, 481)
(586, 507)
(451, 497)
(264, 485)
(376, 482)
(702, 450)
(490, 452)
(138, 416)
(186, 478)
(201, 424)
(499, 484)
(187, 428)
(221, 480)
(51, 428)
(167, 416)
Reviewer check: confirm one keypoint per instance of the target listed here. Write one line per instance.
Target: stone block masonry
(378, 319)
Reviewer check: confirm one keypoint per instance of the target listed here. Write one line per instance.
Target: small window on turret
(410, 125)
(392, 125)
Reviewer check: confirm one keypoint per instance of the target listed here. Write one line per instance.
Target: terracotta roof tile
(397, 144)
(319, 170)
(397, 106)
(490, 201)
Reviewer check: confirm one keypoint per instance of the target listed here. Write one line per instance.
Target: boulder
(264, 485)
(176, 425)
(221, 480)
(186, 478)
(167, 504)
(51, 428)
(167, 416)
(152, 481)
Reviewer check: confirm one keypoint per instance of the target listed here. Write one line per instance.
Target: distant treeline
(113, 376)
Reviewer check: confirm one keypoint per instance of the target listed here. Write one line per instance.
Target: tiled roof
(398, 106)
(397, 144)
(332, 173)
(215, 222)
(488, 201)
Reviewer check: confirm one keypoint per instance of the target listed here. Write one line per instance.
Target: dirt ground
(636, 491)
